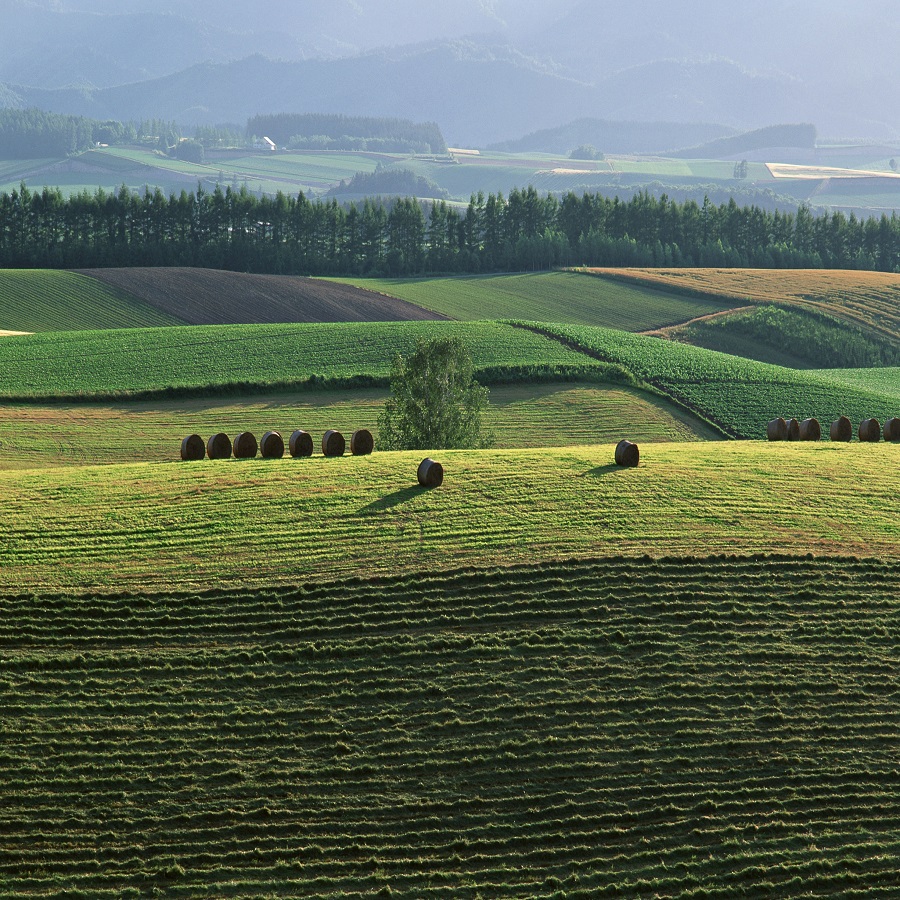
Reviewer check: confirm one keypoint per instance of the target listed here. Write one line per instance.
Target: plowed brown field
(214, 297)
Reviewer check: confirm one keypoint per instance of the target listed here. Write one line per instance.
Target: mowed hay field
(570, 297)
(150, 527)
(528, 415)
(670, 728)
(869, 300)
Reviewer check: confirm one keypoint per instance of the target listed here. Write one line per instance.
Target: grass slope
(740, 395)
(547, 297)
(70, 364)
(789, 337)
(164, 525)
(869, 300)
(681, 728)
(532, 415)
(46, 300)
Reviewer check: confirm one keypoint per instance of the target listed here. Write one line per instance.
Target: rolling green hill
(627, 728)
(48, 300)
(159, 526)
(235, 357)
(737, 395)
(547, 297)
(740, 395)
(35, 436)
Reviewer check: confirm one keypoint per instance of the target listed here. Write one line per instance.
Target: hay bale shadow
(394, 499)
(600, 471)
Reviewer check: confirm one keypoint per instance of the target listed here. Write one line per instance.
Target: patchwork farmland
(549, 676)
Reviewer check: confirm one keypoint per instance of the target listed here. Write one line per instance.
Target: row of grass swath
(272, 446)
(870, 430)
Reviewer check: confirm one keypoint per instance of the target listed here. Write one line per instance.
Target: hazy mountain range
(485, 70)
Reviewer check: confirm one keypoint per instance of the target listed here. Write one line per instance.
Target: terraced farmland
(48, 300)
(36, 436)
(870, 300)
(629, 728)
(547, 297)
(258, 522)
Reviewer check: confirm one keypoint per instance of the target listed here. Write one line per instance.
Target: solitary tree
(435, 401)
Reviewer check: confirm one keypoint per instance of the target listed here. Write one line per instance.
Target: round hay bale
(430, 474)
(245, 445)
(842, 430)
(628, 454)
(361, 442)
(301, 443)
(272, 445)
(333, 443)
(870, 431)
(219, 446)
(892, 429)
(810, 430)
(777, 430)
(793, 430)
(193, 448)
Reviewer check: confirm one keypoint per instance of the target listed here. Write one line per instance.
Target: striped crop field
(49, 300)
(739, 395)
(570, 297)
(131, 361)
(675, 728)
(885, 381)
(869, 300)
(529, 415)
(250, 522)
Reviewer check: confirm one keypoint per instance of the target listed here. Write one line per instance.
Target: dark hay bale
(842, 430)
(361, 442)
(272, 445)
(628, 454)
(870, 431)
(333, 443)
(793, 430)
(193, 448)
(301, 443)
(892, 430)
(810, 430)
(219, 446)
(777, 430)
(430, 474)
(245, 446)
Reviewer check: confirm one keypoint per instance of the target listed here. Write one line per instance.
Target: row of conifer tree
(236, 229)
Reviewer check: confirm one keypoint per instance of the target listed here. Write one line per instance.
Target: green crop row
(48, 300)
(609, 728)
(740, 395)
(134, 361)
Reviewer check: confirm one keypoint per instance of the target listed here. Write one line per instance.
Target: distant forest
(330, 132)
(36, 134)
(234, 229)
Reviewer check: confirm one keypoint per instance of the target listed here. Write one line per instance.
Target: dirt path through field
(671, 329)
(13, 333)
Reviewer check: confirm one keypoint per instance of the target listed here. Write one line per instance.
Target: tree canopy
(435, 401)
